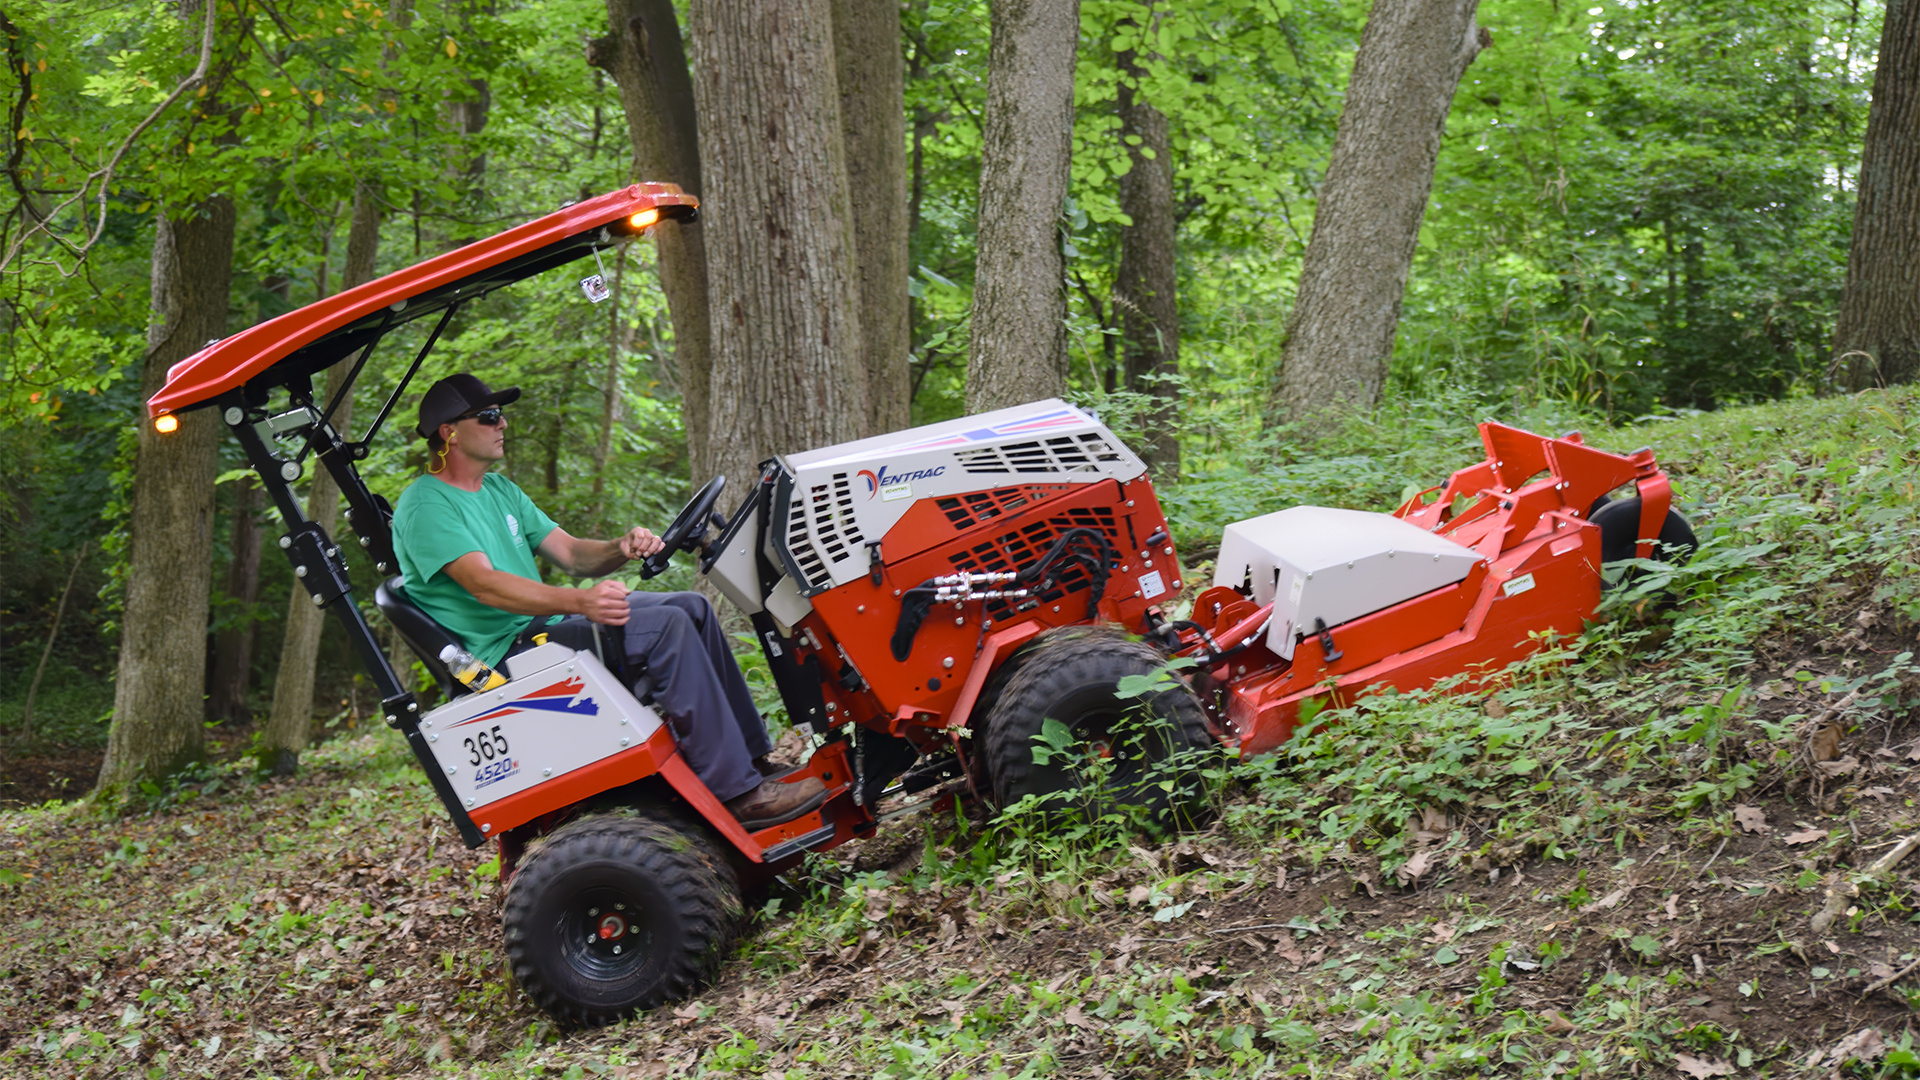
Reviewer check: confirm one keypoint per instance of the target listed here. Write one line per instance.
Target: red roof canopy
(352, 318)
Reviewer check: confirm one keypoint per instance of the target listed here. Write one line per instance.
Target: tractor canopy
(310, 339)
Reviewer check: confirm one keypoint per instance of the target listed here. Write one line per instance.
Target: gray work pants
(695, 682)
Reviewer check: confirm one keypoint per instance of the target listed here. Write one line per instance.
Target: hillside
(1609, 868)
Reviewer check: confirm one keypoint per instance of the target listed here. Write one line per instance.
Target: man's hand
(639, 543)
(605, 603)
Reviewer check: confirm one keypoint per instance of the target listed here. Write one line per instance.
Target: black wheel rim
(603, 936)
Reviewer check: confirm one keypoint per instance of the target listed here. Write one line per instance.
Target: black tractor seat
(421, 633)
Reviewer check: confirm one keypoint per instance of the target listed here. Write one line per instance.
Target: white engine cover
(1316, 562)
(560, 711)
(845, 496)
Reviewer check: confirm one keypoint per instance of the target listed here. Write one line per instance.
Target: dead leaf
(1825, 744)
(1075, 1018)
(1862, 1045)
(1138, 895)
(1673, 906)
(1557, 1023)
(1838, 768)
(1804, 836)
(1867, 618)
(1701, 1067)
(1751, 818)
(1289, 951)
(1410, 871)
(1612, 899)
(1442, 933)
(1496, 710)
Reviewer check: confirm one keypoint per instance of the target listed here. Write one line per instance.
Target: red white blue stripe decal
(1059, 418)
(560, 697)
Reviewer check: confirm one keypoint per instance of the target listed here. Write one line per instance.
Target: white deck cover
(1317, 562)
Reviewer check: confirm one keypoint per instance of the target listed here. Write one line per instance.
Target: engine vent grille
(1021, 547)
(966, 511)
(821, 530)
(1060, 454)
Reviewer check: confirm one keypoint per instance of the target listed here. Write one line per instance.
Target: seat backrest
(423, 635)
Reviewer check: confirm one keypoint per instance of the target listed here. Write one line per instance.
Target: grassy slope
(1556, 879)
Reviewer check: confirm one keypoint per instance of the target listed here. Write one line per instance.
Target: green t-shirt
(437, 523)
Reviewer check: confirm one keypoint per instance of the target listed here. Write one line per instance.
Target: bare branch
(104, 176)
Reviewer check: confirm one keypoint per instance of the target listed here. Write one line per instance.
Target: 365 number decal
(486, 746)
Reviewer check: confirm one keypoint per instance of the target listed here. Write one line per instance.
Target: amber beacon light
(166, 423)
(644, 218)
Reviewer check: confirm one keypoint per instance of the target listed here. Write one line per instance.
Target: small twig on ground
(1263, 926)
(1843, 891)
(1881, 984)
(1716, 854)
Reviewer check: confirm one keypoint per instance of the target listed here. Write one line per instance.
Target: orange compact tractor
(926, 601)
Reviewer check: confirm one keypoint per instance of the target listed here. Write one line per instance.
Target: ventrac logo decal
(560, 697)
(895, 485)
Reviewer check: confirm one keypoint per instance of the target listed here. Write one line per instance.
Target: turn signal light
(644, 218)
(166, 423)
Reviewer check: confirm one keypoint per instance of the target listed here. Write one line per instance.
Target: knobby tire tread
(697, 886)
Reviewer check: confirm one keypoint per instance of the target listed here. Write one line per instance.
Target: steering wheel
(687, 528)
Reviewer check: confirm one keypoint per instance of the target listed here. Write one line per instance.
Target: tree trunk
(866, 38)
(789, 370)
(619, 341)
(1145, 291)
(233, 647)
(1019, 347)
(159, 691)
(290, 725)
(646, 57)
(1876, 340)
(1410, 60)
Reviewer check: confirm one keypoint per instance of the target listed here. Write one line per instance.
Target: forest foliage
(1639, 209)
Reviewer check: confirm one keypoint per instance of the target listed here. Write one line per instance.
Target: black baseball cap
(456, 396)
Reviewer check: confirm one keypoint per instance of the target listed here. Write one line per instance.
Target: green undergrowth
(1550, 878)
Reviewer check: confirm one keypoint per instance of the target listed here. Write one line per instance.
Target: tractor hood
(313, 338)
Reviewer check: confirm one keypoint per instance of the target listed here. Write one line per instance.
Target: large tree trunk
(648, 61)
(1019, 347)
(289, 726)
(1410, 61)
(233, 647)
(1145, 291)
(789, 370)
(866, 38)
(159, 692)
(1877, 336)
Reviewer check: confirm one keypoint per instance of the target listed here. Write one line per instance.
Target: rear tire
(614, 914)
(1137, 743)
(1619, 524)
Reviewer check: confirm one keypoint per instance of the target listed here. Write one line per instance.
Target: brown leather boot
(774, 802)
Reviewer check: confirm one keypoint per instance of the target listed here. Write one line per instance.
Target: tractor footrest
(798, 844)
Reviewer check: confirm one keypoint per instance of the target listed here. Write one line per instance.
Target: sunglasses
(489, 417)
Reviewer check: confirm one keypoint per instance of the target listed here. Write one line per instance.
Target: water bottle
(467, 668)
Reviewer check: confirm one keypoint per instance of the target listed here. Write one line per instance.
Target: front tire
(614, 914)
(1144, 750)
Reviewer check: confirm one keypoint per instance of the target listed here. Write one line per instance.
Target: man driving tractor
(465, 537)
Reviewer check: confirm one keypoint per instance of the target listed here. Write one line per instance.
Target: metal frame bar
(317, 564)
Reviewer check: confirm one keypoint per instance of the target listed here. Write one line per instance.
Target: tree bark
(1146, 287)
(233, 647)
(647, 59)
(1410, 60)
(159, 691)
(1019, 346)
(789, 370)
(872, 78)
(1876, 339)
(290, 725)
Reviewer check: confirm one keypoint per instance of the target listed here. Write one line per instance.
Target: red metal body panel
(232, 361)
(926, 690)
(1539, 578)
